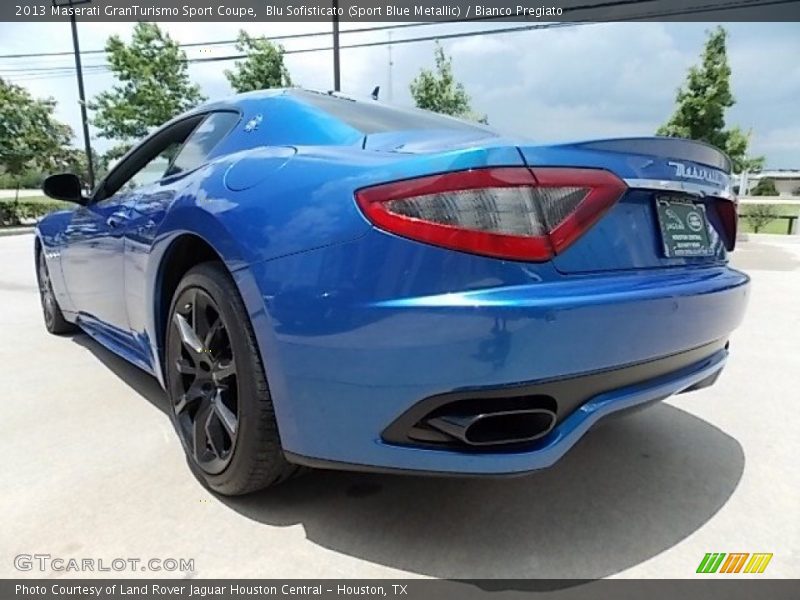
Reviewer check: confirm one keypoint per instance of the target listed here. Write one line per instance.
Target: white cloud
(557, 84)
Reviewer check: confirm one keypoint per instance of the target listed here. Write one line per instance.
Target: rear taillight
(510, 212)
(726, 209)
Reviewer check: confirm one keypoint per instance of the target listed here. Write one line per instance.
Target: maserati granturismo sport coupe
(323, 281)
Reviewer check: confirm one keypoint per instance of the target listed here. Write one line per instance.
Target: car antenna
(376, 92)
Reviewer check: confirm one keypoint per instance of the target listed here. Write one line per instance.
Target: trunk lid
(683, 177)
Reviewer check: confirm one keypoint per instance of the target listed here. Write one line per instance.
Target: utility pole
(391, 64)
(337, 83)
(81, 92)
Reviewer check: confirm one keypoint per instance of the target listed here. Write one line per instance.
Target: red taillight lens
(728, 216)
(514, 212)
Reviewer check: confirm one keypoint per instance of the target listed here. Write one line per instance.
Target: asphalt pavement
(92, 469)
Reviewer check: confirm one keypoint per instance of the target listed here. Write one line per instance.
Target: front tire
(54, 319)
(220, 401)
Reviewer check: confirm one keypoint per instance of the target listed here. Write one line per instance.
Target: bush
(26, 211)
(765, 187)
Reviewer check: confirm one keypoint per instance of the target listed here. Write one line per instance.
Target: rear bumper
(543, 453)
(342, 369)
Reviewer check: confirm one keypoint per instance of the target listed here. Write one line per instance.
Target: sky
(566, 83)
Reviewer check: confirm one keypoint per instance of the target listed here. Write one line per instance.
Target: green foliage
(25, 211)
(701, 104)
(760, 215)
(28, 180)
(764, 187)
(736, 148)
(262, 68)
(31, 139)
(153, 85)
(73, 160)
(438, 90)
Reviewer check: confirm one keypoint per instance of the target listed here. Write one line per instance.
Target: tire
(220, 403)
(54, 319)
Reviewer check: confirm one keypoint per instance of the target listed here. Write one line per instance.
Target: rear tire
(220, 401)
(54, 319)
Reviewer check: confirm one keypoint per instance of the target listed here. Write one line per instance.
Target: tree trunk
(15, 220)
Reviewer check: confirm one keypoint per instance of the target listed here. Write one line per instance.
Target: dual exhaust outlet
(496, 428)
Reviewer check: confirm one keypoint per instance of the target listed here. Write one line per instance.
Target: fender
(188, 220)
(49, 234)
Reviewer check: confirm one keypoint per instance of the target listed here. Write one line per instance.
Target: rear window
(373, 117)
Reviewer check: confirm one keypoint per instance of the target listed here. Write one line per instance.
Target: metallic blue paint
(356, 325)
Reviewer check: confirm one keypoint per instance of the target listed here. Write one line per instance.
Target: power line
(595, 6)
(428, 38)
(52, 71)
(291, 36)
(59, 71)
(613, 3)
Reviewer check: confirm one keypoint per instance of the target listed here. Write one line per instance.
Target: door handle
(116, 219)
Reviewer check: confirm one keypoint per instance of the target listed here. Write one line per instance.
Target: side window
(149, 161)
(202, 141)
(155, 170)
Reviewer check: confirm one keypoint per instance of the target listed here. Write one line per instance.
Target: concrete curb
(4, 231)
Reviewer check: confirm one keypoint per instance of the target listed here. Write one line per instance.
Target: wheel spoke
(226, 417)
(213, 432)
(212, 331)
(191, 395)
(200, 322)
(199, 432)
(224, 369)
(184, 367)
(188, 335)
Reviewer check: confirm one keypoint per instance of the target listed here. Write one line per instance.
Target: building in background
(787, 182)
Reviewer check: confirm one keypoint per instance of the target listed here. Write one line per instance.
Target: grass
(776, 226)
(29, 199)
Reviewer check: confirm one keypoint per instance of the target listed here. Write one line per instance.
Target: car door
(93, 257)
(150, 207)
(91, 261)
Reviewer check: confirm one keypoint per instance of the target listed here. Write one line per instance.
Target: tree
(153, 85)
(701, 104)
(764, 187)
(262, 67)
(73, 160)
(439, 91)
(760, 215)
(30, 137)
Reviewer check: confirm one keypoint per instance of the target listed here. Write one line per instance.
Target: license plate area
(684, 227)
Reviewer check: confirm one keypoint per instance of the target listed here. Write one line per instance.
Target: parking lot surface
(92, 469)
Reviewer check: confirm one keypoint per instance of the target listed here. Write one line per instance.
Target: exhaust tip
(497, 428)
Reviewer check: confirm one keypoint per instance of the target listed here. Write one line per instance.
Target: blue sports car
(322, 281)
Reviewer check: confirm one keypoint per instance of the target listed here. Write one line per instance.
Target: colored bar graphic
(758, 563)
(712, 561)
(734, 562)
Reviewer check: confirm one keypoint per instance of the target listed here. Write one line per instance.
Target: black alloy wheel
(207, 406)
(220, 401)
(54, 320)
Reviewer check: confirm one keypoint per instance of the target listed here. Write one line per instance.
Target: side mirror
(64, 186)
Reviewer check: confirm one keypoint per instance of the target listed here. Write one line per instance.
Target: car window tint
(203, 140)
(155, 169)
(375, 117)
